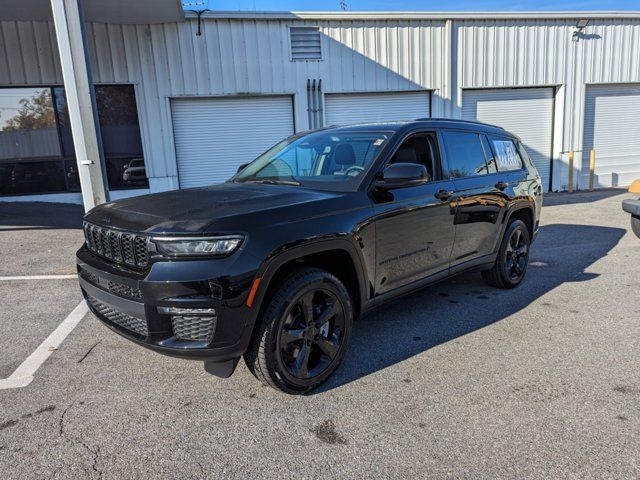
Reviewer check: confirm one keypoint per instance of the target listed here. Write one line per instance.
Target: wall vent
(305, 43)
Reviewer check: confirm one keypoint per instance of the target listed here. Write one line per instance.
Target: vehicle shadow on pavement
(441, 313)
(16, 216)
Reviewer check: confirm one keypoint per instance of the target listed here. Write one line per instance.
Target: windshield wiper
(275, 182)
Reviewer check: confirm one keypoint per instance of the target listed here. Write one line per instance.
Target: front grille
(120, 247)
(134, 324)
(111, 286)
(195, 329)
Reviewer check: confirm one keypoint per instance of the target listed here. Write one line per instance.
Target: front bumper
(129, 302)
(632, 207)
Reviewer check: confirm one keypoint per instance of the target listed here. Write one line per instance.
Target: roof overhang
(420, 15)
(103, 11)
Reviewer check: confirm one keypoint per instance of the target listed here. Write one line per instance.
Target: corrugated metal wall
(523, 53)
(251, 56)
(232, 57)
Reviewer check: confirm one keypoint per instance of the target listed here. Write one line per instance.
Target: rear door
(480, 199)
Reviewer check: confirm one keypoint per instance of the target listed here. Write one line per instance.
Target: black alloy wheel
(516, 255)
(512, 261)
(311, 334)
(303, 333)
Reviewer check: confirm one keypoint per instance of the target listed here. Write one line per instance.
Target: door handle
(443, 194)
(501, 185)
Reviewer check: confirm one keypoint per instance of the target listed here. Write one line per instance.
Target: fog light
(186, 311)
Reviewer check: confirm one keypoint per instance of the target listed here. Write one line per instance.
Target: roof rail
(459, 120)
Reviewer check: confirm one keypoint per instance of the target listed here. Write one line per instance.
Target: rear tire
(510, 266)
(303, 332)
(635, 226)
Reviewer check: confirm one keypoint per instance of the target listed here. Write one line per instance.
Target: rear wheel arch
(524, 213)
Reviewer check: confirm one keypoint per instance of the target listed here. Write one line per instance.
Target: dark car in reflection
(134, 172)
(276, 263)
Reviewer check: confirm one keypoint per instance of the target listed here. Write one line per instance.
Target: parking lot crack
(95, 452)
(7, 424)
(61, 422)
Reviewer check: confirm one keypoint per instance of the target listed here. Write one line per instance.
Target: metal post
(76, 72)
(571, 156)
(592, 169)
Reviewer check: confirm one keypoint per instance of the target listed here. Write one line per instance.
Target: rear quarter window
(507, 156)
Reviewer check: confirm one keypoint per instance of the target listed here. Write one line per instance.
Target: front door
(414, 225)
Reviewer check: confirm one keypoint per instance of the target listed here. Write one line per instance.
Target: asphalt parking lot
(459, 380)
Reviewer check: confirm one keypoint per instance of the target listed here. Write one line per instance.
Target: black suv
(276, 263)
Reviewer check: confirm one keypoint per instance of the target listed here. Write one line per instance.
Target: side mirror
(401, 175)
(242, 167)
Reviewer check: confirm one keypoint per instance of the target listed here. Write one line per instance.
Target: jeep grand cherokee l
(276, 263)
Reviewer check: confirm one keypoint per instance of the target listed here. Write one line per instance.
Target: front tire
(510, 266)
(303, 333)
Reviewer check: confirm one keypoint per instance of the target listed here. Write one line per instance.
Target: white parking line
(38, 277)
(24, 373)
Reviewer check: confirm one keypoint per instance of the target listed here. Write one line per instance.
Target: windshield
(334, 160)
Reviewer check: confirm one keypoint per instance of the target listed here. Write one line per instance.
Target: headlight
(197, 246)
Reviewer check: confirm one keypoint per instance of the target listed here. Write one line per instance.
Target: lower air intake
(134, 324)
(194, 329)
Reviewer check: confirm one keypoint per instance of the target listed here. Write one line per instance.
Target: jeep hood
(192, 211)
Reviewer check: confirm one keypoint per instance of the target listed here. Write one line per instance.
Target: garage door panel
(345, 109)
(611, 128)
(527, 112)
(214, 136)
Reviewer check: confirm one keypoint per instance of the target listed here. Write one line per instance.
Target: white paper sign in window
(507, 155)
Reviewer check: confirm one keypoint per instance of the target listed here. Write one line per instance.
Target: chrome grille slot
(127, 248)
(104, 243)
(140, 250)
(114, 244)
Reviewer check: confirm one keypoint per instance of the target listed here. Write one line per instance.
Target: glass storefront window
(29, 146)
(36, 145)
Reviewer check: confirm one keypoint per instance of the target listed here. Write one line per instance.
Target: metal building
(183, 102)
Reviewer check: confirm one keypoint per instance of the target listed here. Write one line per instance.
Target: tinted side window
(465, 155)
(507, 156)
(421, 148)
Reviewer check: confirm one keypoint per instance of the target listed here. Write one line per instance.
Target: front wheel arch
(279, 265)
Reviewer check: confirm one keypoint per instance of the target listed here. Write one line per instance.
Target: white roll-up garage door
(344, 109)
(214, 136)
(612, 128)
(527, 112)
